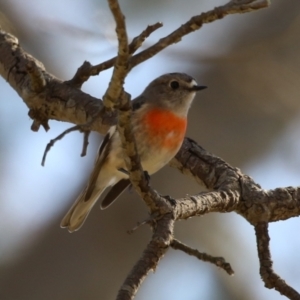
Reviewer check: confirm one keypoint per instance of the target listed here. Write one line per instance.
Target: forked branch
(231, 190)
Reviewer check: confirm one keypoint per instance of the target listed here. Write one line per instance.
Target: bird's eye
(174, 84)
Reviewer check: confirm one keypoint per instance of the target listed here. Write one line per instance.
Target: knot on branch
(258, 212)
(39, 118)
(254, 201)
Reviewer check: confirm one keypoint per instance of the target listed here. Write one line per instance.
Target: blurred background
(249, 116)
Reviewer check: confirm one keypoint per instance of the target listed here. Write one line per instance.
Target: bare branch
(233, 190)
(133, 47)
(121, 65)
(137, 177)
(154, 251)
(69, 103)
(218, 261)
(50, 98)
(195, 161)
(115, 88)
(59, 137)
(195, 23)
(271, 279)
(86, 70)
(86, 135)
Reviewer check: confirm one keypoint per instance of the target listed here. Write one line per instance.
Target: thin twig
(82, 128)
(218, 261)
(138, 225)
(86, 135)
(59, 137)
(86, 70)
(270, 278)
(134, 45)
(195, 23)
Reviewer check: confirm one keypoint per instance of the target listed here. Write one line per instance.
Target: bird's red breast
(165, 127)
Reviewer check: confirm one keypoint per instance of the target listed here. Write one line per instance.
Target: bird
(159, 121)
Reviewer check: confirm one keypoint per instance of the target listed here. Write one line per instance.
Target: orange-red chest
(165, 128)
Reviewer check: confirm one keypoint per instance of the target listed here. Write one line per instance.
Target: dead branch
(86, 70)
(271, 279)
(218, 261)
(115, 86)
(154, 251)
(85, 144)
(69, 103)
(59, 137)
(231, 190)
(195, 23)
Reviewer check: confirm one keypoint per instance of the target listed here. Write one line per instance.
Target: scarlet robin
(159, 121)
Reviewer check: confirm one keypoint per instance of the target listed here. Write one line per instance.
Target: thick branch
(57, 100)
(61, 101)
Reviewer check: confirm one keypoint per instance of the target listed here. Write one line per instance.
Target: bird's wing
(123, 184)
(79, 211)
(104, 149)
(100, 159)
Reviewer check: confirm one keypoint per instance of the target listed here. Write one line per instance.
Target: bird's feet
(171, 200)
(147, 177)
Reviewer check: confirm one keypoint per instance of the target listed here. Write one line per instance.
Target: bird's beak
(197, 88)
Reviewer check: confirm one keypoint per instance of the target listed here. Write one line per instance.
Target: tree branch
(137, 177)
(218, 261)
(231, 190)
(195, 23)
(86, 70)
(271, 279)
(155, 250)
(115, 87)
(61, 101)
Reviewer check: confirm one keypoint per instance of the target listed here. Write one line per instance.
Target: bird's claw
(171, 200)
(147, 177)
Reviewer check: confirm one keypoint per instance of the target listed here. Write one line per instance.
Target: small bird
(159, 121)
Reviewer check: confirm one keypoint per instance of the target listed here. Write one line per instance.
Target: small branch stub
(38, 119)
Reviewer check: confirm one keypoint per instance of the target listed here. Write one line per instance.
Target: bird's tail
(79, 211)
